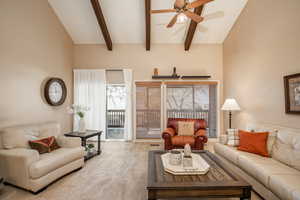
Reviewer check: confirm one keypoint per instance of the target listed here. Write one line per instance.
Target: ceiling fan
(183, 7)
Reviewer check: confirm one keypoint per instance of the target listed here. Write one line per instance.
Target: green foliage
(90, 146)
(80, 114)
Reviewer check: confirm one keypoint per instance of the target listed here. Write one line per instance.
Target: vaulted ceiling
(125, 20)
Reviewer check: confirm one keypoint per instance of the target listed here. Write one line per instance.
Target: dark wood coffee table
(218, 182)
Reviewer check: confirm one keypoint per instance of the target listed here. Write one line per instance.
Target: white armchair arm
(68, 142)
(14, 164)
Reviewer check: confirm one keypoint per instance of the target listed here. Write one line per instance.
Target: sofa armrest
(223, 139)
(200, 132)
(15, 164)
(68, 142)
(168, 132)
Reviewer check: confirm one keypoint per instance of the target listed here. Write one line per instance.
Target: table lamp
(230, 105)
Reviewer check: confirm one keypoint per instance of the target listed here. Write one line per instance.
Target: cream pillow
(233, 137)
(271, 138)
(14, 139)
(186, 128)
(286, 148)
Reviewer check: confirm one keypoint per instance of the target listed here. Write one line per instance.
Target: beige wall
(263, 47)
(33, 47)
(200, 60)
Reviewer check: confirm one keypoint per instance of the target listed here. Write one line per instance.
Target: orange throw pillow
(254, 142)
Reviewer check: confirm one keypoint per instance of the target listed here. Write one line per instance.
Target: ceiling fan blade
(173, 21)
(163, 11)
(197, 3)
(194, 16)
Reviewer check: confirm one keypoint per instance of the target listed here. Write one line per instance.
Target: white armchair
(26, 168)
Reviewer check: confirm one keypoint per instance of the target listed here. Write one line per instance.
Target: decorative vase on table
(81, 127)
(79, 111)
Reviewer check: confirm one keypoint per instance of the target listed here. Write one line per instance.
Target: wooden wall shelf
(195, 77)
(165, 77)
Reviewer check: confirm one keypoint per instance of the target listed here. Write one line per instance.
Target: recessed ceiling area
(126, 21)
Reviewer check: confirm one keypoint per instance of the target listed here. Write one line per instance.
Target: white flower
(77, 109)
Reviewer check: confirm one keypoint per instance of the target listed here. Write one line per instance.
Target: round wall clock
(55, 91)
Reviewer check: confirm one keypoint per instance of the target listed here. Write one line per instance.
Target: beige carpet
(119, 173)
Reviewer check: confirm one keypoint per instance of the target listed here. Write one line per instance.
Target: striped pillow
(233, 137)
(45, 145)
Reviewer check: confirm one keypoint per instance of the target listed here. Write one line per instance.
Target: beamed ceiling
(125, 21)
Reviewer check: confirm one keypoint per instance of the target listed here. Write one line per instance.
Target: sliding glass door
(195, 101)
(148, 110)
(157, 101)
(115, 113)
(115, 105)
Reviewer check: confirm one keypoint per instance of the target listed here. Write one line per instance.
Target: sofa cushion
(45, 145)
(17, 137)
(262, 168)
(264, 128)
(49, 129)
(254, 143)
(182, 140)
(287, 148)
(186, 128)
(285, 186)
(50, 161)
(199, 123)
(233, 137)
(228, 152)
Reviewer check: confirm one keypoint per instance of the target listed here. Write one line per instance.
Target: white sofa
(277, 177)
(26, 168)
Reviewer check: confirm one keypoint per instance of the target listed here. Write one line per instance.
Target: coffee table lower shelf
(219, 182)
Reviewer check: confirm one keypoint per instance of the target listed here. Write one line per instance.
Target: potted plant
(89, 148)
(79, 111)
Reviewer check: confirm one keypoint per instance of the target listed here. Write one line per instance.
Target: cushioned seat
(54, 160)
(228, 152)
(195, 135)
(262, 168)
(182, 140)
(276, 177)
(286, 186)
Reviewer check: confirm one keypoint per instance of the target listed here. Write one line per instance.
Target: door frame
(164, 110)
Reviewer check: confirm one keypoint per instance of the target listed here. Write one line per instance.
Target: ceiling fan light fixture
(181, 18)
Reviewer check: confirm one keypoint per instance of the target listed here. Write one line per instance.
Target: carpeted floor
(119, 173)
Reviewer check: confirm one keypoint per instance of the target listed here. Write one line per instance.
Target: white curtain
(128, 110)
(90, 90)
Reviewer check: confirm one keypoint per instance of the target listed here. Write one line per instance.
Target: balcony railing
(115, 118)
(151, 118)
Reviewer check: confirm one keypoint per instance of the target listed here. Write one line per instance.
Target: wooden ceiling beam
(102, 23)
(192, 29)
(148, 24)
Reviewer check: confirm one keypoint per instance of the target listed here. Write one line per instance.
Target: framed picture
(292, 93)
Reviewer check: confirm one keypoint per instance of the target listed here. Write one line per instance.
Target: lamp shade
(231, 104)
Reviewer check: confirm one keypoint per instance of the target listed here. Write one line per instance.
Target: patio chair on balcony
(174, 141)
